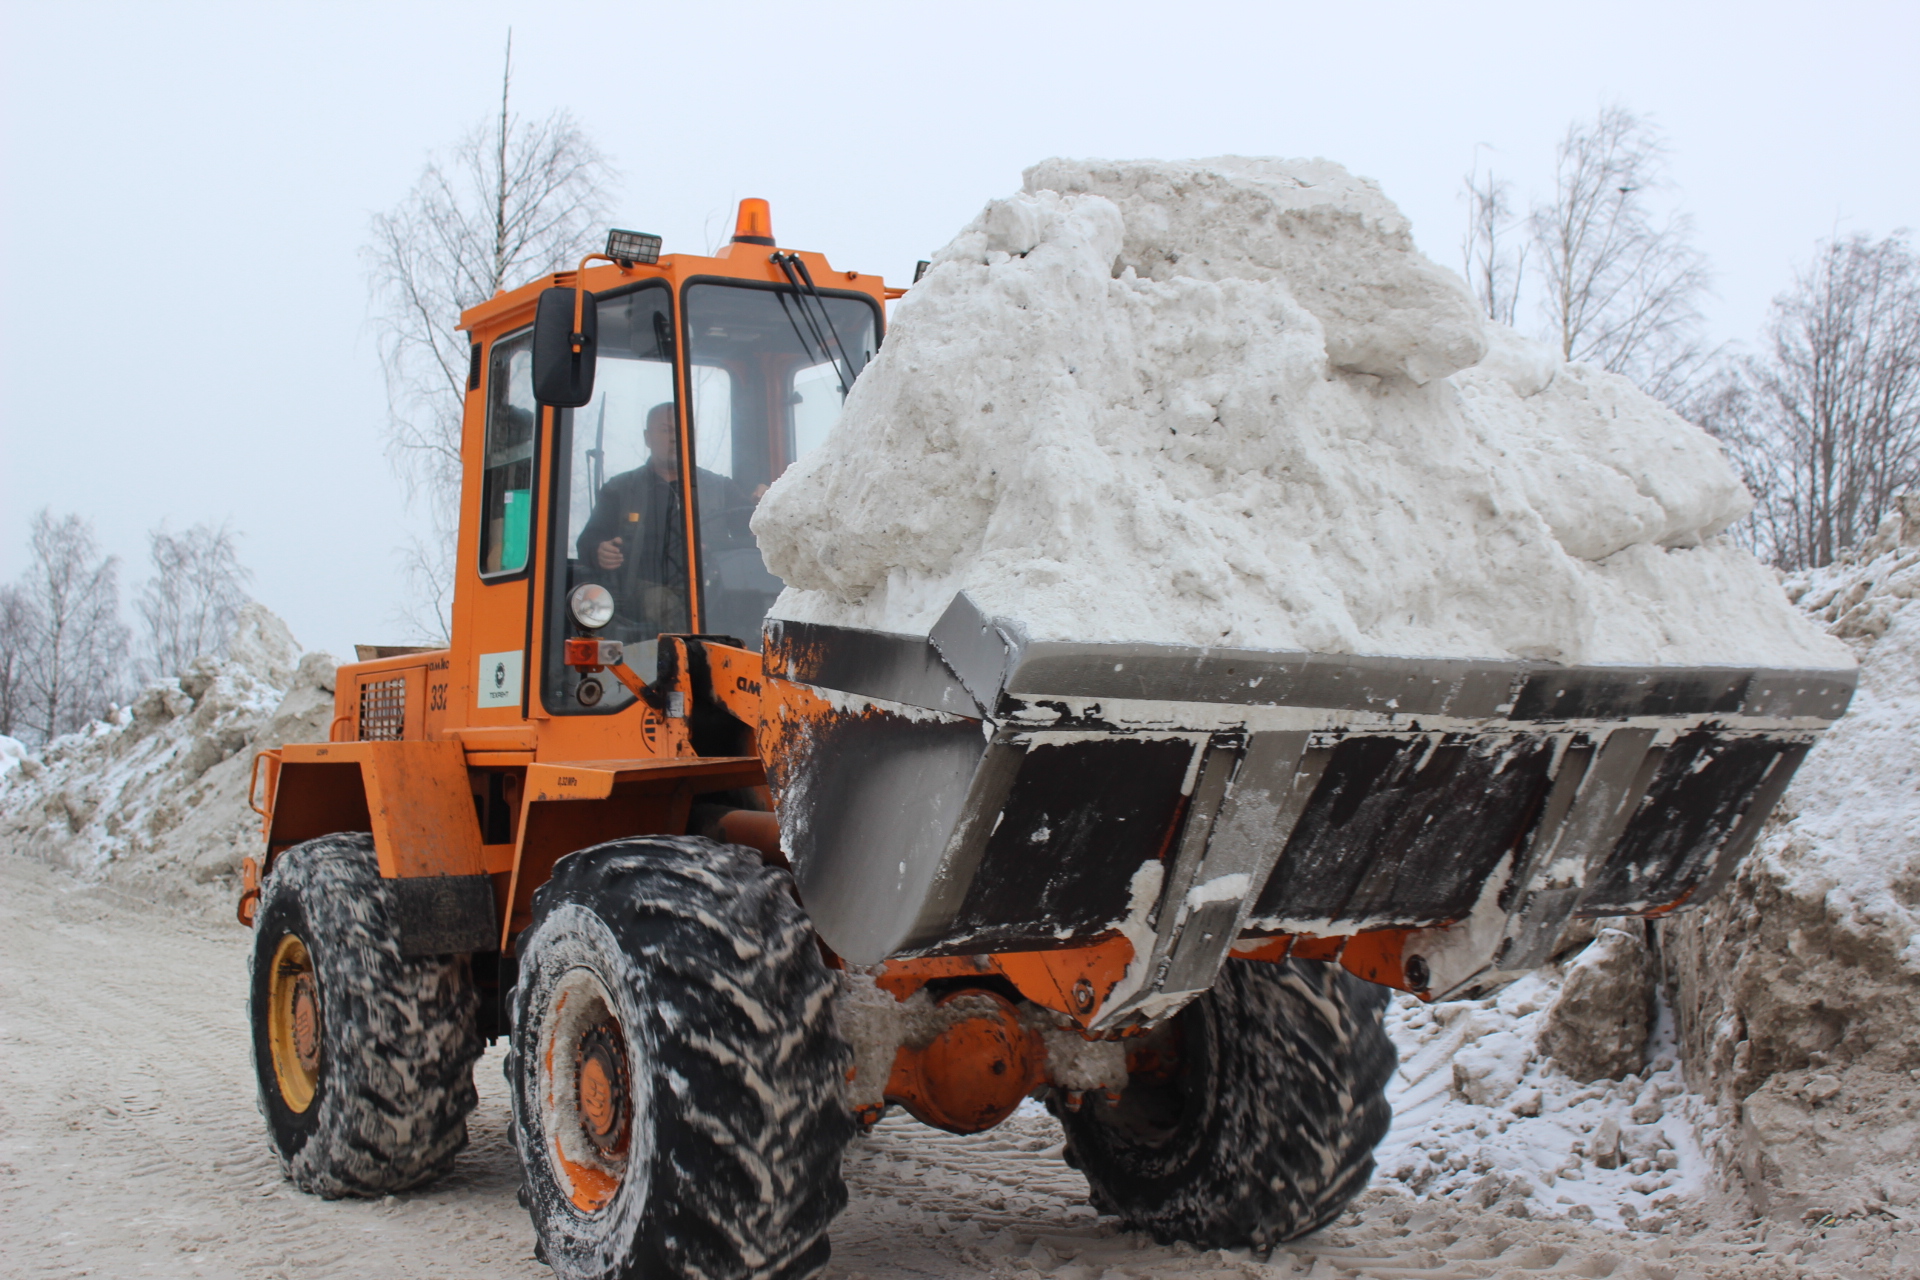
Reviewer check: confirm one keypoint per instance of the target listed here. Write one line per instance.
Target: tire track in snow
(1003, 1204)
(131, 1142)
(130, 1145)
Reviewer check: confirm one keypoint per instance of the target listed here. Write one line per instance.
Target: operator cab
(764, 368)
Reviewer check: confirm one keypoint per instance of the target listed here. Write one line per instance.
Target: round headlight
(592, 605)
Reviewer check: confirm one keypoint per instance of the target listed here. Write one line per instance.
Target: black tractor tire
(685, 971)
(1265, 1128)
(381, 1103)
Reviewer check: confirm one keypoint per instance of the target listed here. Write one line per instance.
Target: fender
(413, 796)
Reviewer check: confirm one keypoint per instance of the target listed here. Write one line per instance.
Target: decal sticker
(498, 679)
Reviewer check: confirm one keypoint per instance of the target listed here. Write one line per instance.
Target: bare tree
(514, 200)
(192, 601)
(1723, 403)
(1826, 423)
(19, 636)
(79, 644)
(1494, 266)
(1622, 284)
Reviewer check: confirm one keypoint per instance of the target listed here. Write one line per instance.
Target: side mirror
(563, 377)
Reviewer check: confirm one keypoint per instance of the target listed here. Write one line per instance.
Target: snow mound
(1483, 1116)
(155, 797)
(1226, 402)
(1799, 988)
(13, 753)
(1855, 836)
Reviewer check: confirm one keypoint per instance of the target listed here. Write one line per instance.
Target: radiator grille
(383, 710)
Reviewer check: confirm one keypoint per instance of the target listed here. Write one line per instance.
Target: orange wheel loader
(730, 886)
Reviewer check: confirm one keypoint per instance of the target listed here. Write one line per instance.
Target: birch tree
(77, 648)
(1622, 284)
(191, 603)
(19, 632)
(1493, 264)
(513, 200)
(1825, 422)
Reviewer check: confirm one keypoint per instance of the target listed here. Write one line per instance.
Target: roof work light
(629, 247)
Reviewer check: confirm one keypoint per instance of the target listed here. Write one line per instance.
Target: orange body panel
(416, 802)
(738, 677)
(758, 830)
(571, 806)
(1376, 955)
(1075, 981)
(597, 779)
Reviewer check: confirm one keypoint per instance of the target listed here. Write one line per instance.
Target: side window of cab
(506, 487)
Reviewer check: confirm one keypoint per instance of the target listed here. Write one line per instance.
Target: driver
(637, 532)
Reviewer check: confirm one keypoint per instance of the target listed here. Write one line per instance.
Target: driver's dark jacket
(644, 511)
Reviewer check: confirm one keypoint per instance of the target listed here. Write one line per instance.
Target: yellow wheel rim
(293, 1023)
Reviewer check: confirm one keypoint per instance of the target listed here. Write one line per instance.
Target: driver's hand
(609, 554)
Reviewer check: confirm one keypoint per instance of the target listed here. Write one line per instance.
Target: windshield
(766, 378)
(618, 512)
(766, 368)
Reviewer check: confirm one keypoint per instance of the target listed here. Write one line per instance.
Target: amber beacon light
(755, 223)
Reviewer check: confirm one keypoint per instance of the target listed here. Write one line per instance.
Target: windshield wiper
(802, 281)
(787, 309)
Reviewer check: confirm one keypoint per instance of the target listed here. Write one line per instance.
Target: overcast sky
(186, 188)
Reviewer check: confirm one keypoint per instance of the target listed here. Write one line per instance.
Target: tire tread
(1281, 1139)
(750, 1116)
(400, 1032)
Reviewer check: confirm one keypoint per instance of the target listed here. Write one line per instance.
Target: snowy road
(129, 1145)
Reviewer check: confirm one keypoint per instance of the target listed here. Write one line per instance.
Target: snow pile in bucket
(1798, 990)
(1226, 402)
(155, 797)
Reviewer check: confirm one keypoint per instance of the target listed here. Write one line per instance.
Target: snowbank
(1226, 402)
(1799, 989)
(1484, 1116)
(156, 797)
(13, 753)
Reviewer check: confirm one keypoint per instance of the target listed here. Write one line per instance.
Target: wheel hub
(294, 1025)
(605, 1103)
(306, 1024)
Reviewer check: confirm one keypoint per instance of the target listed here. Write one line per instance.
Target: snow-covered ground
(12, 754)
(1481, 1117)
(130, 1145)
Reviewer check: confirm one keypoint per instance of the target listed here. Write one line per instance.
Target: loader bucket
(978, 791)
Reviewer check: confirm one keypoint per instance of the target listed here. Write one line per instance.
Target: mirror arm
(580, 295)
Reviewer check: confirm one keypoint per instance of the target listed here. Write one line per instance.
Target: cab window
(506, 486)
